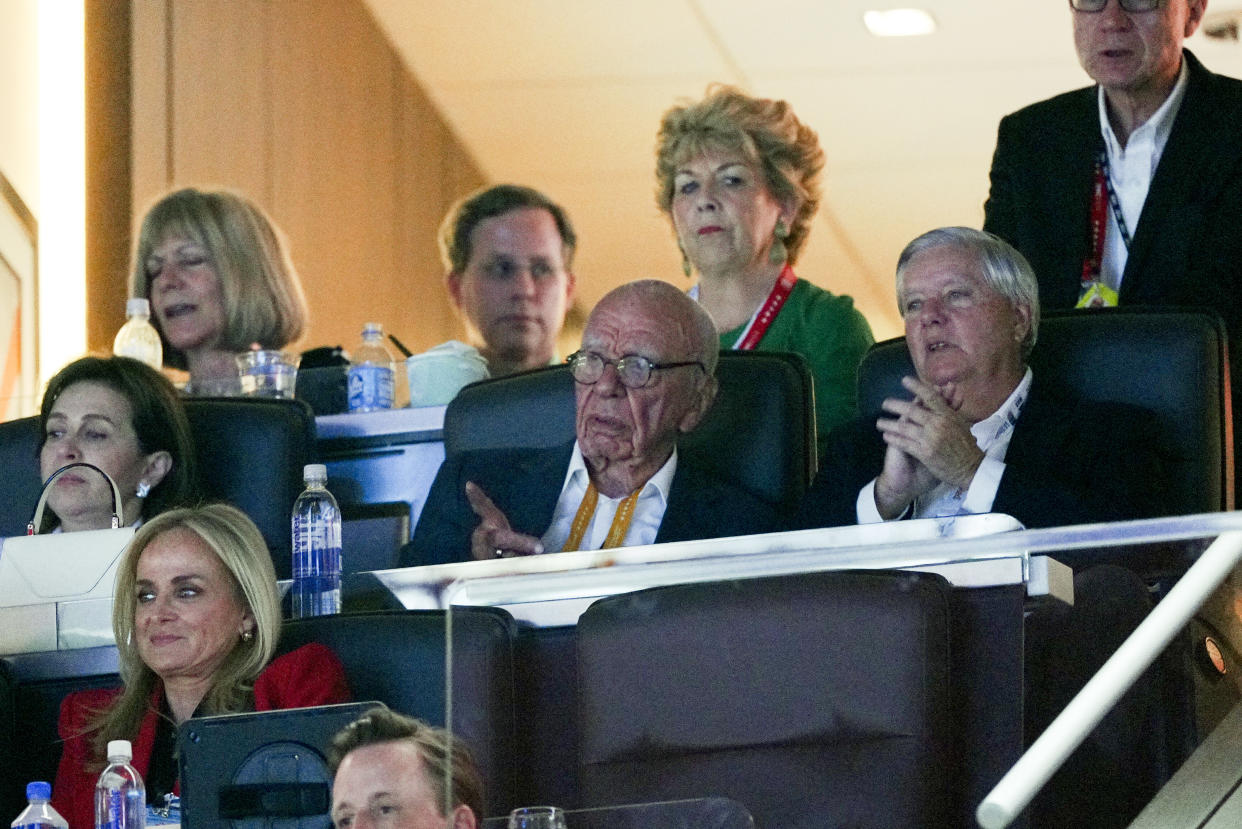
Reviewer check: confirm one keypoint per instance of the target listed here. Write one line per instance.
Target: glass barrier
(493, 647)
(539, 600)
(699, 813)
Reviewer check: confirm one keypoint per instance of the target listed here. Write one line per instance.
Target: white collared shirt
(1131, 169)
(648, 512)
(992, 436)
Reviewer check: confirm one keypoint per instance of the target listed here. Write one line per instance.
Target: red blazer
(310, 675)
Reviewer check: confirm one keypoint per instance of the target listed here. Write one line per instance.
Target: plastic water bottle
(120, 796)
(39, 814)
(316, 547)
(138, 337)
(371, 373)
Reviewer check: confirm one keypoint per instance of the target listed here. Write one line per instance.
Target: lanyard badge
(1093, 292)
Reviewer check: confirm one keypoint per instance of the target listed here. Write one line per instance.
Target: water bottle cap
(138, 306)
(39, 790)
(376, 328)
(314, 472)
(120, 748)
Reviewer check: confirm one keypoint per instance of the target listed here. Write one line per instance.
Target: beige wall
(19, 98)
(303, 105)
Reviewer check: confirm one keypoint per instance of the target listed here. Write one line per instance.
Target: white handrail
(1015, 790)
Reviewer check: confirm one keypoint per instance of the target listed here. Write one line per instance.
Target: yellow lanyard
(620, 521)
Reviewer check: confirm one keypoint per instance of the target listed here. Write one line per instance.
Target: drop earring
(778, 254)
(247, 635)
(685, 261)
(144, 489)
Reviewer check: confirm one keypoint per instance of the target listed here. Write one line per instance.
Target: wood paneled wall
(303, 106)
(108, 169)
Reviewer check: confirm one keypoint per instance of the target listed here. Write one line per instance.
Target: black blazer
(1187, 246)
(525, 484)
(1068, 463)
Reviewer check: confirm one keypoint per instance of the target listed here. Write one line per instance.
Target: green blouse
(833, 336)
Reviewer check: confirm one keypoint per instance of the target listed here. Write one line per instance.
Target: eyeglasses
(1126, 5)
(633, 371)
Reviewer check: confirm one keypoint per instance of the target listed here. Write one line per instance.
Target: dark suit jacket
(1067, 463)
(1187, 246)
(525, 484)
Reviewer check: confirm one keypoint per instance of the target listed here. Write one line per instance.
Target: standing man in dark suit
(1131, 189)
(982, 434)
(643, 376)
(1130, 192)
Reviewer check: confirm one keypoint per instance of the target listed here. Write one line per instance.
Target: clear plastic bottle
(138, 337)
(39, 814)
(371, 385)
(316, 547)
(120, 796)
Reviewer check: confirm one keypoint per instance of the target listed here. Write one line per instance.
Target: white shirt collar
(659, 483)
(996, 425)
(1158, 126)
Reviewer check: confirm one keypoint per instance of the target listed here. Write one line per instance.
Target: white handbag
(63, 582)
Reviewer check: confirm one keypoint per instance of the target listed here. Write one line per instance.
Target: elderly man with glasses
(643, 376)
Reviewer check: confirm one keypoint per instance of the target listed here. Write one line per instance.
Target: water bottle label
(370, 387)
(316, 557)
(115, 817)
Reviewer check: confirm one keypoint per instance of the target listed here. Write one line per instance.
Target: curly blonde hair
(767, 134)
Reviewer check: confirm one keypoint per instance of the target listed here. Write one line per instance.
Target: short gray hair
(1005, 270)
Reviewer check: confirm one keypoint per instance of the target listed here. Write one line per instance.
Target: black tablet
(250, 771)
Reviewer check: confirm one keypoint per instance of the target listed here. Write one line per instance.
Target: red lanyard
(1102, 196)
(762, 320)
(1099, 225)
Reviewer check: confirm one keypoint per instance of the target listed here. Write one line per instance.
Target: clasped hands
(494, 538)
(928, 443)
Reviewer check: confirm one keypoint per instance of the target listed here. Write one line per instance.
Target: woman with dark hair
(196, 619)
(126, 418)
(739, 178)
(219, 277)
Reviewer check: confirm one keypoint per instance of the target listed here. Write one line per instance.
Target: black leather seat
(759, 434)
(20, 483)
(11, 785)
(398, 658)
(250, 453)
(38, 683)
(814, 700)
(1171, 362)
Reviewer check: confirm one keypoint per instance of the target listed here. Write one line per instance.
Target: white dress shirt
(992, 435)
(648, 511)
(1131, 169)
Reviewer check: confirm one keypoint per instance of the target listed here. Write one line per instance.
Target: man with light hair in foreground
(395, 771)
